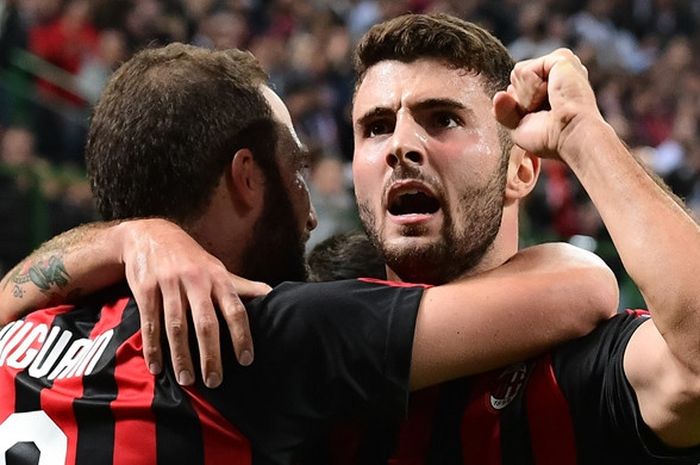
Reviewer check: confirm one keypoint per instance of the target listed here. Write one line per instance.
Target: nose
(407, 143)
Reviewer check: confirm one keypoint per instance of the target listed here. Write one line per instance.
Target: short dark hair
(457, 43)
(168, 123)
(345, 256)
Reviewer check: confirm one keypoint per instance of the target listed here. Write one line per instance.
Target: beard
(276, 253)
(457, 251)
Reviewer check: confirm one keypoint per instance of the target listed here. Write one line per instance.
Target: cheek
(299, 197)
(367, 175)
(302, 196)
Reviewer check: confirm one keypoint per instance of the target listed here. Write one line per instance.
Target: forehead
(395, 84)
(292, 146)
(280, 111)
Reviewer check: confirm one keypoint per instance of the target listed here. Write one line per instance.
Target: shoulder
(608, 338)
(334, 301)
(333, 315)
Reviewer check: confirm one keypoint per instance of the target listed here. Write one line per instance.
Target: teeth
(411, 191)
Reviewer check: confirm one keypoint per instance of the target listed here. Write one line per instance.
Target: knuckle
(177, 328)
(148, 281)
(181, 359)
(244, 339)
(215, 262)
(209, 361)
(148, 328)
(190, 274)
(169, 280)
(236, 313)
(207, 327)
(150, 352)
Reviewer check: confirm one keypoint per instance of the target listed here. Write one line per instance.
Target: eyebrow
(375, 112)
(440, 103)
(427, 104)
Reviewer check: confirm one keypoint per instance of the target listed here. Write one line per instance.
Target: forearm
(532, 303)
(76, 262)
(658, 241)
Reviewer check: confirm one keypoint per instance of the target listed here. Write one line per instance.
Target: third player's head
(197, 137)
(437, 179)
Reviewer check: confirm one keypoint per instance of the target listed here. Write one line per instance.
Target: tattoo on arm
(45, 268)
(44, 274)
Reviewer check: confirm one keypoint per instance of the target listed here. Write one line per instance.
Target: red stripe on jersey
(415, 433)
(481, 426)
(393, 283)
(111, 316)
(223, 443)
(57, 401)
(345, 440)
(7, 379)
(134, 422)
(637, 312)
(551, 428)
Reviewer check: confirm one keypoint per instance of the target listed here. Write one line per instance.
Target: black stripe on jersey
(93, 414)
(445, 443)
(28, 392)
(28, 389)
(379, 440)
(176, 418)
(516, 446)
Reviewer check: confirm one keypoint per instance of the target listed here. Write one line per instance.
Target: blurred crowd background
(56, 56)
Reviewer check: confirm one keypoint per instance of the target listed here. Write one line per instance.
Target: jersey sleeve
(322, 351)
(604, 405)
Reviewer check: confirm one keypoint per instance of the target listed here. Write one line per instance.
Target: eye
(305, 171)
(446, 120)
(378, 127)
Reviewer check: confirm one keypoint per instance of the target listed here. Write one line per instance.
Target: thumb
(505, 109)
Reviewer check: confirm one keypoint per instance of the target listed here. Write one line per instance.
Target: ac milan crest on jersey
(507, 386)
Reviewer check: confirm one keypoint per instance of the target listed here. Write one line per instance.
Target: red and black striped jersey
(573, 406)
(74, 388)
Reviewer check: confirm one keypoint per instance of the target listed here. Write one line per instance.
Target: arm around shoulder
(543, 296)
(78, 261)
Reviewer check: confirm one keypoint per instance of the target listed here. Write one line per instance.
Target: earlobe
(523, 171)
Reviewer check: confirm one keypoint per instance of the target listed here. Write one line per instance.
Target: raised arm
(657, 239)
(543, 296)
(97, 255)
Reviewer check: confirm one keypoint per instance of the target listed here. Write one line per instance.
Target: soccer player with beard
(197, 136)
(438, 182)
(430, 158)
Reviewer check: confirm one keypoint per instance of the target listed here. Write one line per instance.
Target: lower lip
(413, 218)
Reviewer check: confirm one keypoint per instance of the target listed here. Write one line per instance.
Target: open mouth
(413, 201)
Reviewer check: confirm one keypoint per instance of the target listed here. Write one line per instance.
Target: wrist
(584, 137)
(119, 239)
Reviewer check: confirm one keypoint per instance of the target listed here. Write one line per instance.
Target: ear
(523, 171)
(245, 180)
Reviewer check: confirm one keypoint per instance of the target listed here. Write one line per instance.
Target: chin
(410, 244)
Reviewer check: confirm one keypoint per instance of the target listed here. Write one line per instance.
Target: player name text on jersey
(50, 352)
